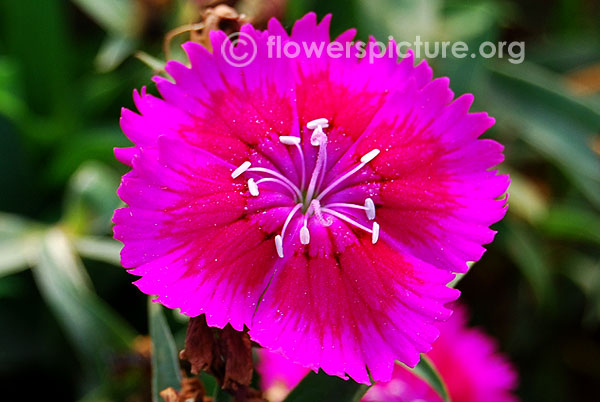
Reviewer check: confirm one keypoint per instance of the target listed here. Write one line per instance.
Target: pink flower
(322, 202)
(466, 358)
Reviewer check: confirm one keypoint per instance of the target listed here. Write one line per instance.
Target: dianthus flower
(467, 360)
(323, 202)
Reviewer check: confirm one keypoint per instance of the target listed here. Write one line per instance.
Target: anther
(375, 233)
(253, 187)
(312, 125)
(304, 235)
(370, 209)
(289, 140)
(240, 169)
(369, 156)
(279, 245)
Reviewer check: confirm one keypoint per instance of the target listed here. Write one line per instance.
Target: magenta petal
(187, 234)
(340, 313)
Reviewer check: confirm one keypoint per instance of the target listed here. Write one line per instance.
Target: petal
(188, 233)
(352, 311)
(434, 191)
(470, 364)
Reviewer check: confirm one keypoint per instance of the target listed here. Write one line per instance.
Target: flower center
(308, 196)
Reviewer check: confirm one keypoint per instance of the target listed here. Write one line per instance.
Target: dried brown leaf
(199, 345)
(236, 348)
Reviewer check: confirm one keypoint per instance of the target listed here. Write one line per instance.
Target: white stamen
(370, 208)
(279, 245)
(323, 122)
(240, 169)
(275, 180)
(253, 187)
(375, 233)
(289, 218)
(339, 180)
(289, 140)
(279, 176)
(345, 205)
(369, 156)
(346, 219)
(279, 238)
(304, 235)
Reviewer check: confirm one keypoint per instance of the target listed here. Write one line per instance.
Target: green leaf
(95, 330)
(457, 278)
(11, 98)
(93, 146)
(572, 223)
(585, 272)
(115, 16)
(403, 19)
(44, 59)
(166, 371)
(322, 387)
(530, 255)
(19, 244)
(102, 249)
(221, 395)
(559, 126)
(427, 371)
(113, 52)
(157, 65)
(527, 200)
(91, 198)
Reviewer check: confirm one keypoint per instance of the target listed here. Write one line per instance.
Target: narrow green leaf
(95, 330)
(13, 225)
(91, 198)
(557, 125)
(113, 52)
(157, 65)
(584, 270)
(16, 255)
(102, 249)
(454, 282)
(19, 244)
(11, 98)
(222, 396)
(572, 223)
(322, 387)
(526, 199)
(166, 371)
(115, 16)
(529, 255)
(427, 371)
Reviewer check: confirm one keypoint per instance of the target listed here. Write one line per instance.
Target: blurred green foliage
(70, 318)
